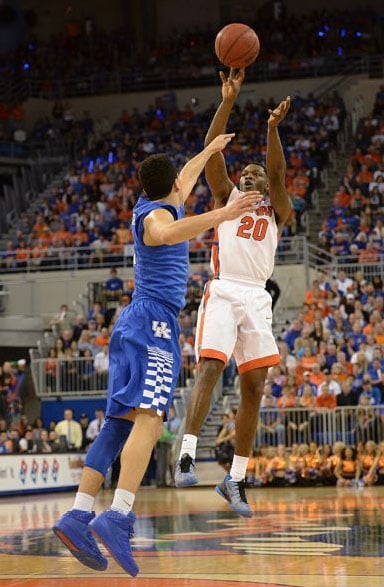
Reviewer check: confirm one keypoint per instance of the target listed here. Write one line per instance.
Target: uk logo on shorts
(161, 329)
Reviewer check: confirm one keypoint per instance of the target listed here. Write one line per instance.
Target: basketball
(237, 45)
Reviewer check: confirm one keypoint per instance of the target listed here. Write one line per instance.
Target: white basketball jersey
(244, 248)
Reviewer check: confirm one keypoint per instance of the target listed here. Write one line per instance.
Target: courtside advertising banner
(39, 472)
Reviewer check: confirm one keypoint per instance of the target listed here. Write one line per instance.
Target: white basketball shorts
(236, 318)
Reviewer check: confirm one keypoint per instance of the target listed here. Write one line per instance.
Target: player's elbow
(167, 236)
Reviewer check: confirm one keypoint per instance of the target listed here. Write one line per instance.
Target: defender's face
(253, 177)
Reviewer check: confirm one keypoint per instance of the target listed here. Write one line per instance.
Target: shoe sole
(85, 559)
(220, 492)
(186, 484)
(133, 572)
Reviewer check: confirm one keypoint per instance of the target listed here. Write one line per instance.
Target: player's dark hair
(259, 164)
(157, 175)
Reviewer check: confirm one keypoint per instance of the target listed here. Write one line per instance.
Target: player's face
(253, 177)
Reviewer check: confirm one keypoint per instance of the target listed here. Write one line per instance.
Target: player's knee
(210, 370)
(108, 444)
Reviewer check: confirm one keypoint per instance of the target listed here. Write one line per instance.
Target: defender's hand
(244, 203)
(219, 143)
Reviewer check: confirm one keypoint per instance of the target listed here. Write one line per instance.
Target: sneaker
(115, 530)
(74, 532)
(185, 471)
(234, 493)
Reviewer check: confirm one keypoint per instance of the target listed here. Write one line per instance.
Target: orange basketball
(237, 45)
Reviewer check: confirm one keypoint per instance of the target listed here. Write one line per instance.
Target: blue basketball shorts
(144, 359)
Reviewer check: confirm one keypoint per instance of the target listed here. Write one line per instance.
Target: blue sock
(108, 444)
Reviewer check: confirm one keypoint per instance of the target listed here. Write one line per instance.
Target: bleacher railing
(324, 426)
(113, 81)
(291, 251)
(59, 258)
(80, 376)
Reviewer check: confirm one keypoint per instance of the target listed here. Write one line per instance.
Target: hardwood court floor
(318, 537)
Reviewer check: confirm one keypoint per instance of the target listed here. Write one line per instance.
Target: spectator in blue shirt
(114, 286)
(367, 390)
(307, 381)
(375, 371)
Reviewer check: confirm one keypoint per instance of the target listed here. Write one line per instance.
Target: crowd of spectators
(332, 355)
(19, 435)
(311, 464)
(77, 359)
(87, 219)
(85, 51)
(353, 230)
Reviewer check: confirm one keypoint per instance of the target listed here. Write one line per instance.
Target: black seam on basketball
(224, 57)
(235, 41)
(249, 51)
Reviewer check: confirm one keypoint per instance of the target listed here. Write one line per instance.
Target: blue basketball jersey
(161, 272)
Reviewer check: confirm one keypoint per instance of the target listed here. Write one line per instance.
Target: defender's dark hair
(157, 175)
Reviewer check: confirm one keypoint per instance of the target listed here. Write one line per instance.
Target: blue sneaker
(114, 530)
(234, 493)
(74, 532)
(185, 471)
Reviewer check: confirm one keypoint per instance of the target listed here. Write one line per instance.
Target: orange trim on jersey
(215, 253)
(205, 301)
(258, 363)
(212, 354)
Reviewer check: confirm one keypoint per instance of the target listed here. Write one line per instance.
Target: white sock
(188, 445)
(83, 502)
(239, 467)
(123, 501)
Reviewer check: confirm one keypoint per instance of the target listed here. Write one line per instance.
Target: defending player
(145, 356)
(235, 315)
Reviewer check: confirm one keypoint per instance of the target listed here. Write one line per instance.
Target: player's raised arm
(160, 228)
(215, 169)
(191, 170)
(276, 165)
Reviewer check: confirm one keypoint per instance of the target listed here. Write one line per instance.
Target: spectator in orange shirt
(365, 176)
(39, 225)
(314, 294)
(369, 255)
(287, 399)
(346, 365)
(103, 338)
(327, 399)
(124, 234)
(294, 160)
(62, 234)
(342, 198)
(23, 253)
(378, 333)
(308, 360)
(317, 377)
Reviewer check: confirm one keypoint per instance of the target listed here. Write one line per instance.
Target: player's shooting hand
(231, 84)
(244, 203)
(220, 142)
(279, 113)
